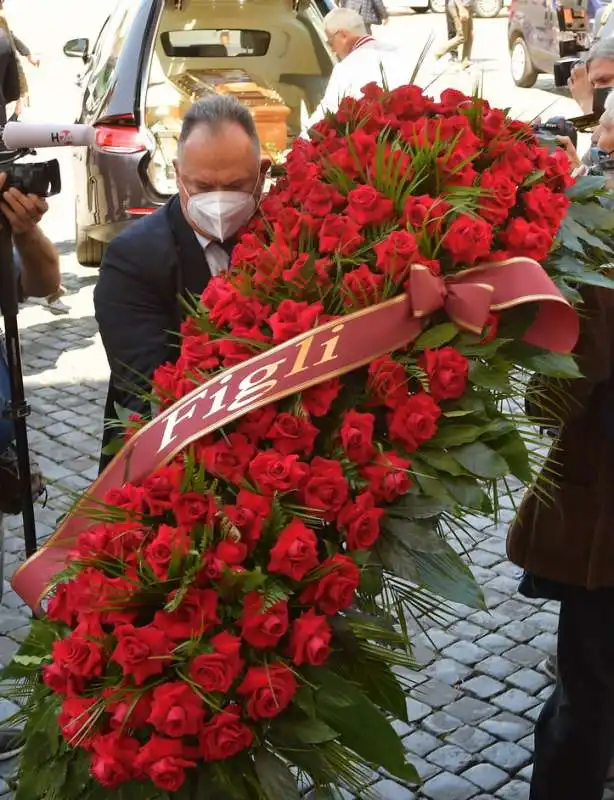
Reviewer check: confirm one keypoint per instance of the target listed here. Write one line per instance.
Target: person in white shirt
(362, 60)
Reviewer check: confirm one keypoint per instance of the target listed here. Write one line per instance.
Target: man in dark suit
(175, 251)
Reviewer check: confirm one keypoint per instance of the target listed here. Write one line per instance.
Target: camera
(562, 71)
(41, 178)
(603, 166)
(556, 126)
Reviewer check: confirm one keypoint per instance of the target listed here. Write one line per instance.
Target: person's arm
(381, 10)
(40, 263)
(22, 48)
(134, 314)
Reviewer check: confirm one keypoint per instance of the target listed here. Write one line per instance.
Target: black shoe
(11, 743)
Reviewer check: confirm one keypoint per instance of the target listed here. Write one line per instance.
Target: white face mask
(220, 213)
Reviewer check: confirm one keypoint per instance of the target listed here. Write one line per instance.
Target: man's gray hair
(215, 111)
(603, 49)
(344, 19)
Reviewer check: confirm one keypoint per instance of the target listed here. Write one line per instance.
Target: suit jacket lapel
(193, 270)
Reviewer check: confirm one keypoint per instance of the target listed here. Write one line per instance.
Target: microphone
(27, 135)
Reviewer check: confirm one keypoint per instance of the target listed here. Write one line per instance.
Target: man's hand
(581, 88)
(23, 212)
(36, 62)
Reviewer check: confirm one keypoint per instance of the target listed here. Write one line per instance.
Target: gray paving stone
(420, 743)
(526, 773)
(440, 723)
(529, 679)
(416, 710)
(425, 769)
(546, 642)
(466, 630)
(474, 740)
(437, 638)
(484, 558)
(497, 667)
(451, 758)
(495, 643)
(520, 630)
(448, 671)
(390, 790)
(516, 790)
(524, 655)
(449, 787)
(486, 776)
(545, 621)
(471, 710)
(533, 713)
(515, 700)
(507, 726)
(507, 755)
(465, 652)
(483, 686)
(435, 693)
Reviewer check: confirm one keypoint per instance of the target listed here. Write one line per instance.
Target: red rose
(361, 521)
(516, 161)
(335, 590)
(128, 715)
(530, 239)
(190, 508)
(295, 551)
(61, 680)
(423, 211)
(498, 196)
(263, 628)
(367, 206)
(168, 544)
(79, 655)
(164, 382)
(249, 515)
(225, 735)
(357, 436)
(124, 539)
(468, 239)
(493, 122)
(246, 314)
(310, 640)
(160, 486)
(113, 759)
(543, 204)
(326, 488)
(292, 434)
(60, 607)
(298, 275)
(255, 424)
(362, 287)
(407, 102)
(231, 552)
(212, 568)
(557, 170)
(176, 710)
(141, 652)
(318, 399)
(235, 352)
(388, 477)
(268, 690)
(76, 722)
(164, 762)
(321, 199)
(414, 421)
(387, 382)
(201, 353)
(339, 234)
(217, 671)
(292, 319)
(274, 472)
(219, 289)
(129, 498)
(196, 613)
(395, 254)
(447, 371)
(229, 457)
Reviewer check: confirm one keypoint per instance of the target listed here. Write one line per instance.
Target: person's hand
(566, 143)
(34, 60)
(386, 21)
(580, 87)
(22, 211)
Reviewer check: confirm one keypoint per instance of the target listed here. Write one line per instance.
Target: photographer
(597, 72)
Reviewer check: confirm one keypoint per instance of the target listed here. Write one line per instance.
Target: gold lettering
(251, 387)
(301, 356)
(329, 346)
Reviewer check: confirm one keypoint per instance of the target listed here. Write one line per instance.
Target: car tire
(487, 9)
(437, 6)
(524, 73)
(420, 9)
(89, 251)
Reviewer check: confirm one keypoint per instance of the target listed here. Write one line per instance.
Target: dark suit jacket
(143, 272)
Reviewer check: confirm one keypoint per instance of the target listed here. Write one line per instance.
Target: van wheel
(438, 6)
(419, 9)
(524, 73)
(89, 251)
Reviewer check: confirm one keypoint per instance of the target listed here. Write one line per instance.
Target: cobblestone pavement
(473, 704)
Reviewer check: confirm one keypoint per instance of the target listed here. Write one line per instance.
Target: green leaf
(586, 187)
(441, 461)
(554, 365)
(580, 232)
(451, 435)
(468, 493)
(275, 777)
(28, 661)
(396, 558)
(299, 729)
(488, 377)
(514, 450)
(362, 727)
(481, 460)
(437, 336)
(416, 506)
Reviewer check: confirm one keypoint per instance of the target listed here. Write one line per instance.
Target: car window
(209, 43)
(106, 53)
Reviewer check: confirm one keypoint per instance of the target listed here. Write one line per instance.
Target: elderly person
(362, 60)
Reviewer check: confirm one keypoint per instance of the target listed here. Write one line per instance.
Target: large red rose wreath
(233, 623)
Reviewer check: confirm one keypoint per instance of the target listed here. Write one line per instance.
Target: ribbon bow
(471, 295)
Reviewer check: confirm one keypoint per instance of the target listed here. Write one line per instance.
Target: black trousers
(574, 735)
